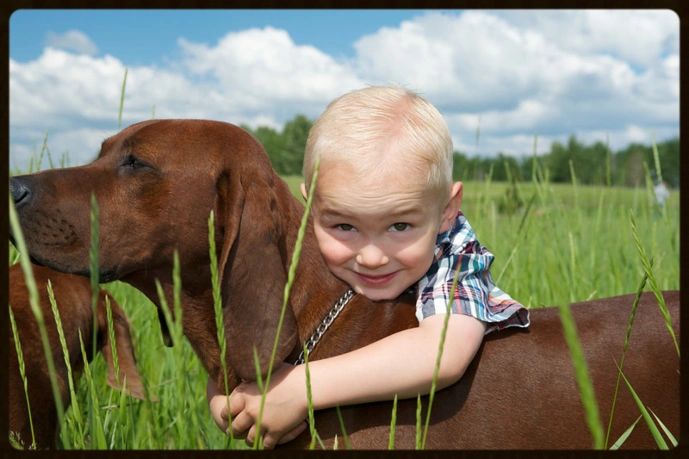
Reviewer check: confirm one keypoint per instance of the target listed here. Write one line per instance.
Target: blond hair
(367, 126)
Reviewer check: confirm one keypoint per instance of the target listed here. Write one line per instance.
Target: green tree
(271, 141)
(294, 137)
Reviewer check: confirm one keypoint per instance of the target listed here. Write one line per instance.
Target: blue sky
(128, 33)
(601, 75)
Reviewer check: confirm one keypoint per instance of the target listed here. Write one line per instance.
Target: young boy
(387, 217)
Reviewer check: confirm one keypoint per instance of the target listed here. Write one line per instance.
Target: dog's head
(155, 184)
(154, 190)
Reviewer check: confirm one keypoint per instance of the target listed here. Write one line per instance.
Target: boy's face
(378, 233)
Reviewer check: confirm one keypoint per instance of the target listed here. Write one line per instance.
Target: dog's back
(520, 391)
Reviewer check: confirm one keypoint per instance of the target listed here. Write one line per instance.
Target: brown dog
(73, 300)
(156, 183)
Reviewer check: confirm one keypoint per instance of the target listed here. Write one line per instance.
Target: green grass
(567, 242)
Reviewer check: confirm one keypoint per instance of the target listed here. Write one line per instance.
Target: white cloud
(72, 40)
(522, 73)
(59, 83)
(519, 74)
(469, 59)
(258, 68)
(640, 37)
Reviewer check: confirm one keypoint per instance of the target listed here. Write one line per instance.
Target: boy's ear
(454, 204)
(303, 191)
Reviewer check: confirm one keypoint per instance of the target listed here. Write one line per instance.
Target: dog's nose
(20, 191)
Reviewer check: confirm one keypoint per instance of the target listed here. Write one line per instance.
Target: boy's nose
(371, 257)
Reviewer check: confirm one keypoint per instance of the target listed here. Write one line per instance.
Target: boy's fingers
(241, 423)
(251, 436)
(237, 404)
(269, 441)
(294, 433)
(218, 409)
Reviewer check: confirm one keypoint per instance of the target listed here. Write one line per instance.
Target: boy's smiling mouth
(378, 279)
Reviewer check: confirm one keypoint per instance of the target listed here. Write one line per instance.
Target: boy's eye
(344, 227)
(399, 226)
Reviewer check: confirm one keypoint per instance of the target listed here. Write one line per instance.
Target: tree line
(594, 164)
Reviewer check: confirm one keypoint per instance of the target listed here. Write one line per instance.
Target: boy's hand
(217, 403)
(283, 413)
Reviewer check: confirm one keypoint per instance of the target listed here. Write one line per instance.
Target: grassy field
(564, 243)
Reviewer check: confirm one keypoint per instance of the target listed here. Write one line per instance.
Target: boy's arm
(402, 364)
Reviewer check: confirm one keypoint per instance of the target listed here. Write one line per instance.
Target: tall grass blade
(608, 162)
(478, 134)
(113, 343)
(217, 308)
(34, 302)
(294, 262)
(96, 424)
(177, 295)
(668, 434)
(76, 411)
(94, 272)
(527, 212)
(263, 388)
(586, 392)
(656, 161)
(45, 149)
(534, 161)
(620, 441)
(650, 194)
(13, 255)
(517, 237)
(345, 436)
(94, 265)
(572, 265)
(441, 347)
(630, 323)
(122, 92)
(169, 320)
(419, 432)
(659, 174)
(16, 443)
(657, 436)
(487, 187)
(186, 423)
(124, 419)
(64, 159)
(393, 424)
(309, 399)
(22, 373)
(573, 175)
(648, 269)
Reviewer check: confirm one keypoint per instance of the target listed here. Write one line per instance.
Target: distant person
(662, 193)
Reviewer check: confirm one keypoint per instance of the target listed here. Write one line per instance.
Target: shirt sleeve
(475, 295)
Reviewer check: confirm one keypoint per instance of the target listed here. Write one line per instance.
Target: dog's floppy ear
(253, 274)
(128, 378)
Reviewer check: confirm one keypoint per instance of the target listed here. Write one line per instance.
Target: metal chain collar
(310, 343)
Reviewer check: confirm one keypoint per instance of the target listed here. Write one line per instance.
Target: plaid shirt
(476, 294)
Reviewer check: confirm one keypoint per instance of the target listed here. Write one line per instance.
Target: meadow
(554, 244)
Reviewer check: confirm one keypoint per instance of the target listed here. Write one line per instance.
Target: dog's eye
(132, 162)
